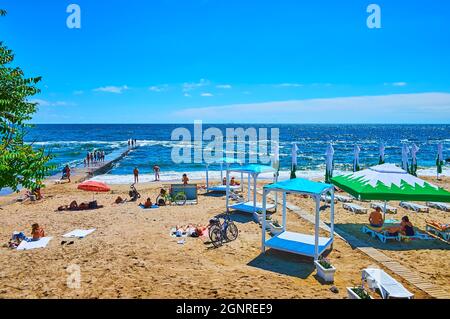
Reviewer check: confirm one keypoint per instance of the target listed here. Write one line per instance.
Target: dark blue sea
(69, 144)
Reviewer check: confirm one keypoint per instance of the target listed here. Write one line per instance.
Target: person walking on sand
(156, 169)
(136, 175)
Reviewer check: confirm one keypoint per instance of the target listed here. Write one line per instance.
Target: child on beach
(136, 175)
(148, 203)
(185, 179)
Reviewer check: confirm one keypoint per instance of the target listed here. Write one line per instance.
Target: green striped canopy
(389, 182)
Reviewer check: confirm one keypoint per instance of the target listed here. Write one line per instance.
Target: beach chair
(415, 207)
(354, 208)
(441, 206)
(388, 286)
(343, 198)
(327, 199)
(437, 229)
(379, 232)
(389, 209)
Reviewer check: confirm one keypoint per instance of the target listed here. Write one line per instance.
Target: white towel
(79, 233)
(41, 243)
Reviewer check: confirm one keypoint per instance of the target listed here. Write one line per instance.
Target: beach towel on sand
(41, 243)
(153, 206)
(79, 233)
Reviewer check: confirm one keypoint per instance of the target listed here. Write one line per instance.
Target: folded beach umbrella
(405, 153)
(382, 149)
(329, 163)
(276, 156)
(356, 152)
(439, 160)
(294, 160)
(389, 182)
(93, 186)
(414, 150)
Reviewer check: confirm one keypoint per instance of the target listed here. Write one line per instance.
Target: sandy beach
(132, 255)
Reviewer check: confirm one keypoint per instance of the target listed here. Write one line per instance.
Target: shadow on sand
(284, 263)
(368, 241)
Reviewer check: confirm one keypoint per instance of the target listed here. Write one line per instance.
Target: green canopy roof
(389, 182)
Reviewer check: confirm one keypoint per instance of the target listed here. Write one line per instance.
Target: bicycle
(221, 232)
(165, 197)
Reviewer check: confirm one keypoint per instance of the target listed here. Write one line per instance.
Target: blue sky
(281, 61)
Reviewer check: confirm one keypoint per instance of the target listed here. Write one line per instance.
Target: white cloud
(396, 84)
(396, 108)
(159, 88)
(206, 94)
(112, 89)
(292, 85)
(42, 102)
(192, 86)
(187, 95)
(223, 86)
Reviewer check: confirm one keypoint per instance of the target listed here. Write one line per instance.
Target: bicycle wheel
(215, 235)
(180, 199)
(231, 232)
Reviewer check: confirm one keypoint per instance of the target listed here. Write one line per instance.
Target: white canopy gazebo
(253, 171)
(226, 161)
(298, 243)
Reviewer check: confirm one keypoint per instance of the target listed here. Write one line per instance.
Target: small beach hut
(226, 161)
(329, 163)
(252, 171)
(294, 160)
(389, 182)
(382, 155)
(356, 152)
(298, 243)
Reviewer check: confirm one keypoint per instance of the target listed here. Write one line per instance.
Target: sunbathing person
(120, 200)
(406, 228)
(148, 203)
(83, 206)
(376, 218)
(37, 232)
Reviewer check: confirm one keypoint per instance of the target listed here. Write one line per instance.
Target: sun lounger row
(441, 206)
(415, 207)
(355, 208)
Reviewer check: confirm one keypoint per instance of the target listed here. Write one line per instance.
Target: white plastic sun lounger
(389, 209)
(415, 207)
(441, 206)
(343, 198)
(327, 199)
(79, 233)
(222, 188)
(354, 208)
(41, 243)
(388, 286)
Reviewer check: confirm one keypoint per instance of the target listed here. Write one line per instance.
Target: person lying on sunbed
(438, 225)
(148, 203)
(406, 228)
(37, 232)
(83, 206)
(376, 218)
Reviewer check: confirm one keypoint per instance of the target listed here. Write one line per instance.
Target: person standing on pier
(136, 175)
(156, 169)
